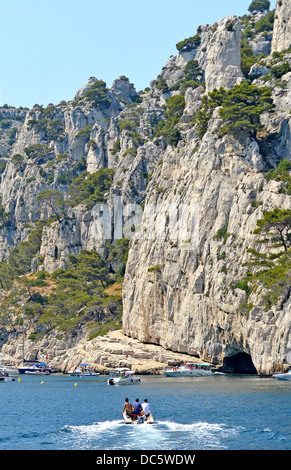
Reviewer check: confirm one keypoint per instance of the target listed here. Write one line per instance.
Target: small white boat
(4, 377)
(88, 374)
(11, 371)
(189, 370)
(75, 372)
(285, 376)
(37, 372)
(122, 376)
(140, 419)
(83, 370)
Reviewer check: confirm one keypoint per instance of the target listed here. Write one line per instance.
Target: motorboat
(4, 377)
(284, 376)
(75, 372)
(87, 371)
(140, 419)
(37, 372)
(83, 370)
(189, 370)
(89, 374)
(10, 370)
(34, 366)
(122, 376)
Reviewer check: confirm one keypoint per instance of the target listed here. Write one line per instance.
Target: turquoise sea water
(217, 413)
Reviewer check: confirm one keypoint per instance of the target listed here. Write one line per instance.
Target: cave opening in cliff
(240, 363)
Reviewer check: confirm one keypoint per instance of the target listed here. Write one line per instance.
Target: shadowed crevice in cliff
(240, 363)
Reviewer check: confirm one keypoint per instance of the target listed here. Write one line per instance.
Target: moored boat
(83, 370)
(37, 372)
(189, 370)
(4, 377)
(88, 374)
(34, 366)
(122, 376)
(284, 376)
(75, 372)
(10, 370)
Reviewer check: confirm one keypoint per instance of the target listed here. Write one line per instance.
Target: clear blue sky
(49, 48)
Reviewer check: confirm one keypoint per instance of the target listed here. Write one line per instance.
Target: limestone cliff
(282, 27)
(185, 299)
(187, 303)
(189, 202)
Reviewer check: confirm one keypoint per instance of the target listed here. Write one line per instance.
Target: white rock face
(122, 88)
(181, 298)
(223, 55)
(81, 229)
(261, 44)
(282, 26)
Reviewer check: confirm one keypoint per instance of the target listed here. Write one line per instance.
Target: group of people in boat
(137, 409)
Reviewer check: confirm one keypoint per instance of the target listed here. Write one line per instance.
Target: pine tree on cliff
(271, 269)
(53, 201)
(242, 108)
(259, 6)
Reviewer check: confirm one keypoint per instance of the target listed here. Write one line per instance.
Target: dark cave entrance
(240, 363)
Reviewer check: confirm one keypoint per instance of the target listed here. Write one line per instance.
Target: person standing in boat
(146, 408)
(127, 407)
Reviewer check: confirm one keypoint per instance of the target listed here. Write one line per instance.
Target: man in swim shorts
(127, 407)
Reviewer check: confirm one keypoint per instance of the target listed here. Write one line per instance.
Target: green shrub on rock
(175, 108)
(37, 151)
(240, 109)
(90, 188)
(189, 43)
(259, 6)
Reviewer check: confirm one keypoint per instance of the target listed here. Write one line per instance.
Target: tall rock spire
(282, 26)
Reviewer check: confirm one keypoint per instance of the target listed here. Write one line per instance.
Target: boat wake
(201, 435)
(95, 429)
(163, 435)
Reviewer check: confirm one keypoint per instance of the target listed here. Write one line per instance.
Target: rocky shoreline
(117, 350)
(103, 354)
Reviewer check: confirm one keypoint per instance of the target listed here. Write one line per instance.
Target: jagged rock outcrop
(282, 26)
(123, 89)
(223, 55)
(261, 44)
(81, 229)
